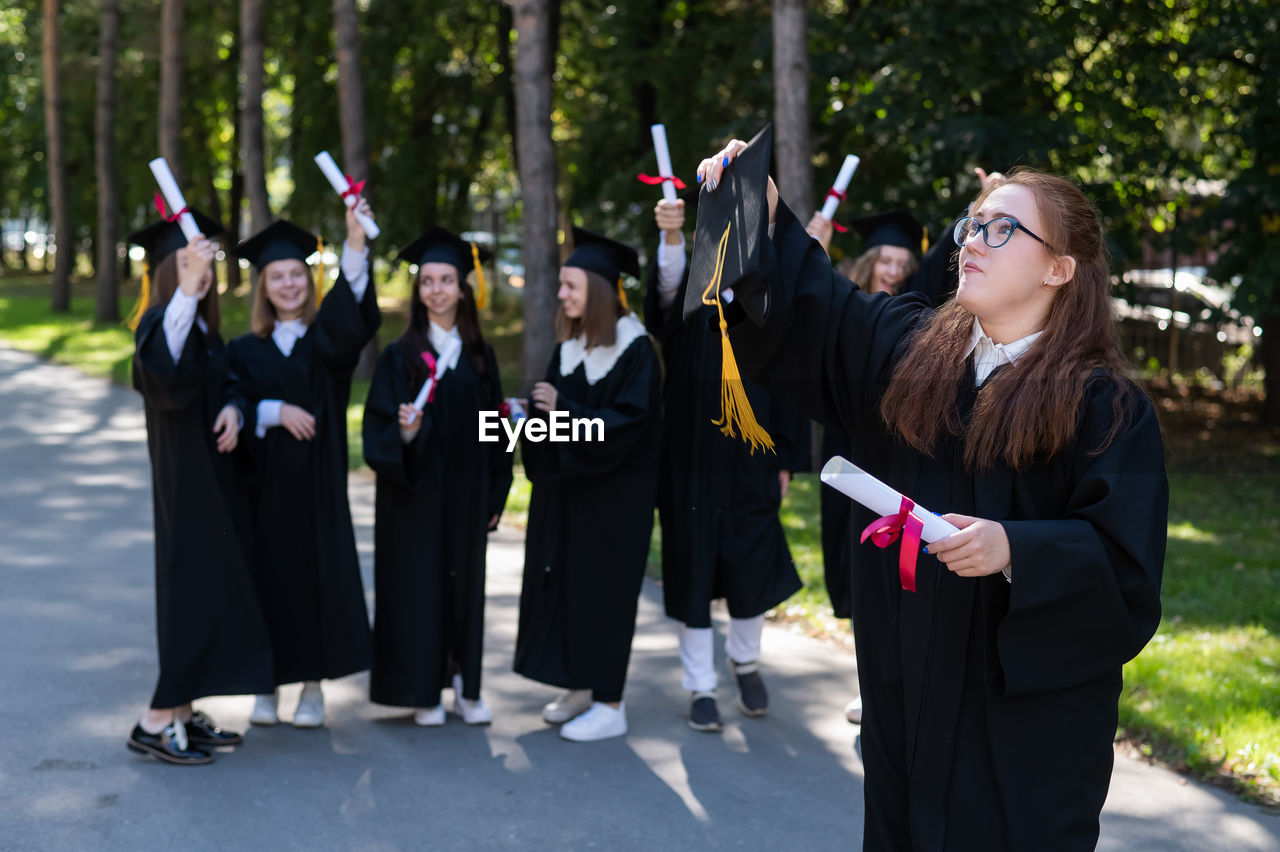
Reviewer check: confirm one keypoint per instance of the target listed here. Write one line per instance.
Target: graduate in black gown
(439, 492)
(718, 501)
(990, 693)
(294, 369)
(211, 635)
(591, 509)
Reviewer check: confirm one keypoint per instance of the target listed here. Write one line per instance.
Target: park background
(513, 121)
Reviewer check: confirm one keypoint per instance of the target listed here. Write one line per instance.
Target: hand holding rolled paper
(899, 515)
(837, 192)
(437, 367)
(349, 190)
(173, 197)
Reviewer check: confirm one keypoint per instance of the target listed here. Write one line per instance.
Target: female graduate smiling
(991, 692)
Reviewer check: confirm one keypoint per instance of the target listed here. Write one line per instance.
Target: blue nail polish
(699, 177)
(726, 161)
(926, 548)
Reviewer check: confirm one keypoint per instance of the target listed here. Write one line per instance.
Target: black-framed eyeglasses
(995, 233)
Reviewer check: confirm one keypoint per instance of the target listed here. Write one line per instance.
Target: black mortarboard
(603, 256)
(440, 245)
(728, 251)
(163, 238)
(278, 241)
(895, 228)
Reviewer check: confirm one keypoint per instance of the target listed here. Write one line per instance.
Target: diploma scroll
(173, 197)
(842, 183)
(860, 486)
(344, 188)
(665, 171)
(438, 366)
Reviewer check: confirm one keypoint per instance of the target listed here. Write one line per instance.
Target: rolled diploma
(339, 181)
(842, 183)
(454, 344)
(659, 132)
(173, 197)
(856, 484)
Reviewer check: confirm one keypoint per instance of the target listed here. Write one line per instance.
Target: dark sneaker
(703, 713)
(753, 698)
(170, 745)
(201, 731)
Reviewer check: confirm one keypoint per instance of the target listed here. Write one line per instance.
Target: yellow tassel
(734, 405)
(924, 241)
(144, 297)
(320, 271)
(482, 297)
(622, 295)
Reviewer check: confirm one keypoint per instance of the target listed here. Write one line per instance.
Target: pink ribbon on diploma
(885, 531)
(165, 216)
(354, 187)
(431, 368)
(651, 180)
(838, 196)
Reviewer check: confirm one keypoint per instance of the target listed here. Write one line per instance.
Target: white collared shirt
(671, 264)
(179, 316)
(440, 342)
(987, 354)
(598, 361)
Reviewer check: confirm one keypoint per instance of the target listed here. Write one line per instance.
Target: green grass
(1205, 694)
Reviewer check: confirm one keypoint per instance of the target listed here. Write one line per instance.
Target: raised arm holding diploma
(348, 189)
(173, 197)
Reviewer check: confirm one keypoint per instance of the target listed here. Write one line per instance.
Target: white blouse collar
(600, 360)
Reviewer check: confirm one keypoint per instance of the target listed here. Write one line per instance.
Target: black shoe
(170, 745)
(753, 698)
(703, 713)
(202, 731)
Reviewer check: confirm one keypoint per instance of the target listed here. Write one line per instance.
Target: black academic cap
(162, 238)
(603, 256)
(732, 228)
(728, 251)
(895, 228)
(278, 241)
(440, 245)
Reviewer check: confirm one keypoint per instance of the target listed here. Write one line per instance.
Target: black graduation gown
(211, 635)
(989, 707)
(590, 519)
(304, 549)
(435, 496)
(718, 503)
(842, 519)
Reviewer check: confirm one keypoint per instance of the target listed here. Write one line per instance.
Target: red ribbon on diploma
(659, 180)
(165, 216)
(885, 531)
(838, 196)
(354, 187)
(431, 368)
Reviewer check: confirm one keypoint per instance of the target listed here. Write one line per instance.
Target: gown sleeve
(500, 476)
(385, 451)
(345, 326)
(165, 386)
(825, 346)
(1099, 564)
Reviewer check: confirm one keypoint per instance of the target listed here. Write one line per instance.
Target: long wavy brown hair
(599, 323)
(1028, 410)
(262, 314)
(164, 280)
(864, 269)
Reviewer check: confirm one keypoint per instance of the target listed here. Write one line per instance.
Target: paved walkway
(78, 665)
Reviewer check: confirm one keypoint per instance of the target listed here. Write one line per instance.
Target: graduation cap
(283, 240)
(728, 241)
(161, 239)
(605, 257)
(895, 228)
(440, 245)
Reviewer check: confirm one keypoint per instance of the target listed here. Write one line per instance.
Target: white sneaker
(430, 717)
(853, 711)
(599, 723)
(265, 709)
(472, 712)
(310, 712)
(573, 703)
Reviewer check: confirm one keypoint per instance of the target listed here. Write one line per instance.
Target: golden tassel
(924, 241)
(320, 271)
(734, 405)
(622, 295)
(144, 297)
(482, 297)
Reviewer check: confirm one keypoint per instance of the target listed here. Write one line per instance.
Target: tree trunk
(54, 156)
(170, 124)
(792, 147)
(355, 147)
(1269, 348)
(253, 48)
(107, 309)
(537, 157)
(506, 79)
